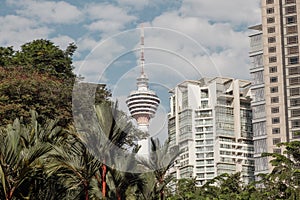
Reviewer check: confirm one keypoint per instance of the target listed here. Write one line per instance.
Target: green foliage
(45, 161)
(183, 189)
(6, 56)
(284, 180)
(161, 159)
(21, 91)
(39, 77)
(23, 149)
(43, 56)
(76, 168)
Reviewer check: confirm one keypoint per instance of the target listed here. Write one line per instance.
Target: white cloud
(108, 12)
(233, 11)
(107, 18)
(211, 36)
(59, 12)
(16, 30)
(85, 44)
(97, 61)
(106, 26)
(227, 48)
(62, 41)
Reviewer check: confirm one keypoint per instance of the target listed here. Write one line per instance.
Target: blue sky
(184, 39)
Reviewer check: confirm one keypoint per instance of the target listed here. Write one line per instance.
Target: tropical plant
(108, 135)
(161, 159)
(184, 189)
(77, 168)
(123, 176)
(285, 176)
(22, 152)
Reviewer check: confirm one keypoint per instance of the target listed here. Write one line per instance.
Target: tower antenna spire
(142, 49)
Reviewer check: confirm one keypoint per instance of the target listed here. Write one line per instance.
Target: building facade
(275, 72)
(210, 120)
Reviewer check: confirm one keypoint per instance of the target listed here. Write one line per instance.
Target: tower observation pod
(143, 103)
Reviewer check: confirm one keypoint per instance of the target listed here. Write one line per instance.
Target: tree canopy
(39, 76)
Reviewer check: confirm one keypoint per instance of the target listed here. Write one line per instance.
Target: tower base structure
(144, 150)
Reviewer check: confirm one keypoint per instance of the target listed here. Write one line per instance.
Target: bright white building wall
(210, 120)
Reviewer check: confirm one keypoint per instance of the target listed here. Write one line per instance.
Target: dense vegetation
(282, 183)
(39, 76)
(43, 155)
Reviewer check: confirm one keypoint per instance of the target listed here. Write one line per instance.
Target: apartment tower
(210, 120)
(275, 73)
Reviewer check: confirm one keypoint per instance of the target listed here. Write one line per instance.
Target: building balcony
(185, 136)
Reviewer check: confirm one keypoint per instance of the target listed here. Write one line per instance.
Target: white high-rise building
(143, 103)
(210, 120)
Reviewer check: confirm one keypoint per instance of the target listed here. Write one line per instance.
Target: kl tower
(143, 103)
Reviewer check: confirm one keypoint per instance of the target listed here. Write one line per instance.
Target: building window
(292, 40)
(291, 29)
(296, 123)
(295, 102)
(295, 113)
(272, 49)
(290, 1)
(294, 70)
(274, 79)
(257, 61)
(273, 69)
(294, 91)
(271, 39)
(290, 9)
(272, 59)
(294, 81)
(293, 60)
(270, 10)
(257, 77)
(273, 89)
(271, 29)
(291, 19)
(269, 1)
(275, 120)
(295, 134)
(275, 130)
(275, 110)
(293, 50)
(277, 151)
(276, 141)
(274, 99)
(270, 20)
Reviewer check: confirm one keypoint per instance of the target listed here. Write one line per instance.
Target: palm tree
(77, 168)
(107, 135)
(123, 176)
(162, 158)
(21, 158)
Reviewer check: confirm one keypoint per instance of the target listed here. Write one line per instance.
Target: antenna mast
(142, 49)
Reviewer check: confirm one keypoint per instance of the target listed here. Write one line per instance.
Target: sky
(184, 39)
